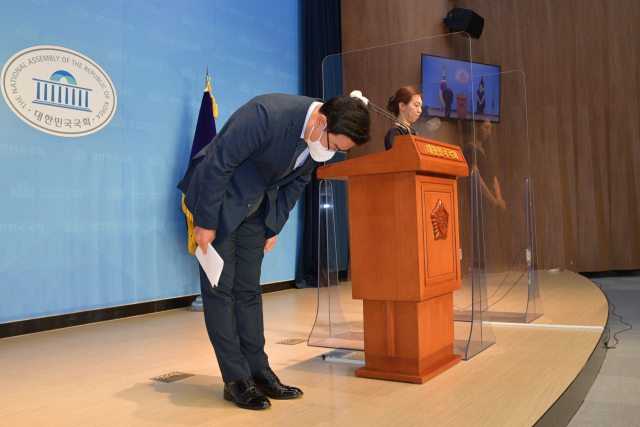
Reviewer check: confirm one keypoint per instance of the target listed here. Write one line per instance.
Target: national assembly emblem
(58, 91)
(440, 221)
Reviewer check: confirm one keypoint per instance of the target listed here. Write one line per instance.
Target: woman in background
(482, 157)
(477, 154)
(406, 105)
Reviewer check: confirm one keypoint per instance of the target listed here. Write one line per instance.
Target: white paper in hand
(211, 264)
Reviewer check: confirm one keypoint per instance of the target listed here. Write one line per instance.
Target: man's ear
(321, 121)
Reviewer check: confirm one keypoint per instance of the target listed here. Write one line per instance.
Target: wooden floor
(98, 375)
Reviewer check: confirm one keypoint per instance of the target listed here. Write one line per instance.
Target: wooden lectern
(405, 256)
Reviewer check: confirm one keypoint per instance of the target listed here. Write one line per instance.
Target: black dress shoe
(268, 382)
(245, 394)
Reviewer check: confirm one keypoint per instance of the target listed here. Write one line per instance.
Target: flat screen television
(447, 89)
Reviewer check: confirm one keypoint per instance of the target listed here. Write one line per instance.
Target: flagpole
(197, 305)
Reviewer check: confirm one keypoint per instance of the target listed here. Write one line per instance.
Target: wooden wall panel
(550, 221)
(375, 85)
(582, 64)
(414, 19)
(364, 24)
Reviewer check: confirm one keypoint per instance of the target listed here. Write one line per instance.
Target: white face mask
(318, 152)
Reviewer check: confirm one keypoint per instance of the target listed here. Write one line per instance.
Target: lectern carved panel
(439, 230)
(440, 221)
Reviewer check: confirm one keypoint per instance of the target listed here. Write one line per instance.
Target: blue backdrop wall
(95, 221)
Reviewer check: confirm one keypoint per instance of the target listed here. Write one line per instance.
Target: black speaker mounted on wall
(460, 19)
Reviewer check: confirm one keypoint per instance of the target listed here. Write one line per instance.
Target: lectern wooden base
(408, 341)
(417, 379)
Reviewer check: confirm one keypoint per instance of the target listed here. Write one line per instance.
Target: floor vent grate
(171, 377)
(291, 341)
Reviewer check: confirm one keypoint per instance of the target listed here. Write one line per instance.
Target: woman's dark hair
(404, 94)
(349, 117)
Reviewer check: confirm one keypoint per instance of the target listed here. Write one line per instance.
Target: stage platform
(98, 374)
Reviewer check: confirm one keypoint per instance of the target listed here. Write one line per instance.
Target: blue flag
(205, 131)
(206, 127)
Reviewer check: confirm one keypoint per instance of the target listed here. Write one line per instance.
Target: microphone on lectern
(358, 94)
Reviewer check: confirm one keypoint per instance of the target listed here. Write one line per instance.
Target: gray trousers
(233, 309)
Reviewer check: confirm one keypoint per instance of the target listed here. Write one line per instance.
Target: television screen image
(448, 91)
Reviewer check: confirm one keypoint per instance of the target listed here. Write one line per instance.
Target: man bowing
(240, 189)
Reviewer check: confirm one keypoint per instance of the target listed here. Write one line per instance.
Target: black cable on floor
(613, 312)
(503, 280)
(508, 272)
(512, 286)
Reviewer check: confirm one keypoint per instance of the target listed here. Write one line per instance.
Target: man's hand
(269, 244)
(501, 204)
(204, 237)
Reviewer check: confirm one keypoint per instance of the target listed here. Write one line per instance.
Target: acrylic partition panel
(458, 122)
(535, 308)
(473, 331)
(497, 205)
(331, 328)
(378, 73)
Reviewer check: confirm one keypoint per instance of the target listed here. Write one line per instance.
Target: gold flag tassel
(192, 240)
(214, 106)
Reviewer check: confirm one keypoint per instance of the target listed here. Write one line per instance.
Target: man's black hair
(349, 117)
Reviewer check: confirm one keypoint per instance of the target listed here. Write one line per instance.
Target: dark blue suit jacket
(245, 161)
